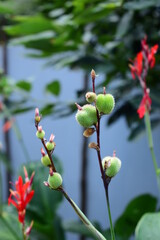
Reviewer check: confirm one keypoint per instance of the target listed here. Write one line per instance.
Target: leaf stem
(83, 218)
(1, 191)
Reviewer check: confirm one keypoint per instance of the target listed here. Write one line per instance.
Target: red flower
(22, 195)
(151, 57)
(145, 105)
(136, 68)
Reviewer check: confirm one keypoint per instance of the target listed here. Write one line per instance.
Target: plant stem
(107, 180)
(83, 218)
(1, 191)
(84, 163)
(110, 217)
(150, 143)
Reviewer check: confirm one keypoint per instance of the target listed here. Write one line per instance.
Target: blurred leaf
(6, 7)
(3, 158)
(148, 227)
(10, 228)
(79, 228)
(140, 4)
(26, 86)
(133, 212)
(54, 88)
(47, 109)
(29, 25)
(22, 110)
(139, 129)
(124, 25)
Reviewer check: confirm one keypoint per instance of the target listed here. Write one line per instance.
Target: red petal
(29, 197)
(141, 111)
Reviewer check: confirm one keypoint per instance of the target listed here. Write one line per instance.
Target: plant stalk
(151, 147)
(83, 218)
(107, 180)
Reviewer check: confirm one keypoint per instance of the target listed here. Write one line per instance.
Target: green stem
(83, 218)
(1, 191)
(150, 143)
(110, 217)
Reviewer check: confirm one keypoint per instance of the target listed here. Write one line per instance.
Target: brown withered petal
(94, 146)
(88, 132)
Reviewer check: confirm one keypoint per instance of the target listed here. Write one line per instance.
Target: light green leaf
(139, 5)
(148, 228)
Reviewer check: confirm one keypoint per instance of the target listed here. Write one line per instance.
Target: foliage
(106, 34)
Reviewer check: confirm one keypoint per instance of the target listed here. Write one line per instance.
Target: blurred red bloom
(22, 195)
(7, 125)
(151, 57)
(136, 68)
(144, 105)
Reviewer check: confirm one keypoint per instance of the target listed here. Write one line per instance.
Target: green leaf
(54, 88)
(79, 228)
(148, 227)
(133, 212)
(29, 25)
(10, 228)
(124, 25)
(47, 109)
(139, 5)
(3, 158)
(24, 85)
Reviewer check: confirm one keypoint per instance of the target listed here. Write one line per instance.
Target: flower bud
(40, 133)
(87, 116)
(111, 166)
(55, 181)
(37, 116)
(90, 97)
(105, 103)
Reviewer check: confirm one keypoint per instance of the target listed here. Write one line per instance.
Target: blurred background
(48, 49)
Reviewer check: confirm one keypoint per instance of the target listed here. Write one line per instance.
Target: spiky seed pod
(105, 103)
(40, 133)
(111, 165)
(50, 146)
(55, 181)
(87, 116)
(90, 97)
(46, 160)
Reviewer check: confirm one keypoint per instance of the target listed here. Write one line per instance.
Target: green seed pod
(87, 116)
(40, 134)
(55, 181)
(111, 165)
(46, 160)
(105, 103)
(50, 146)
(90, 97)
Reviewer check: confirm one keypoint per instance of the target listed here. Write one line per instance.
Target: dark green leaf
(26, 86)
(54, 88)
(133, 212)
(47, 110)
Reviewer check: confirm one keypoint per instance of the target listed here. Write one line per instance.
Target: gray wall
(137, 173)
